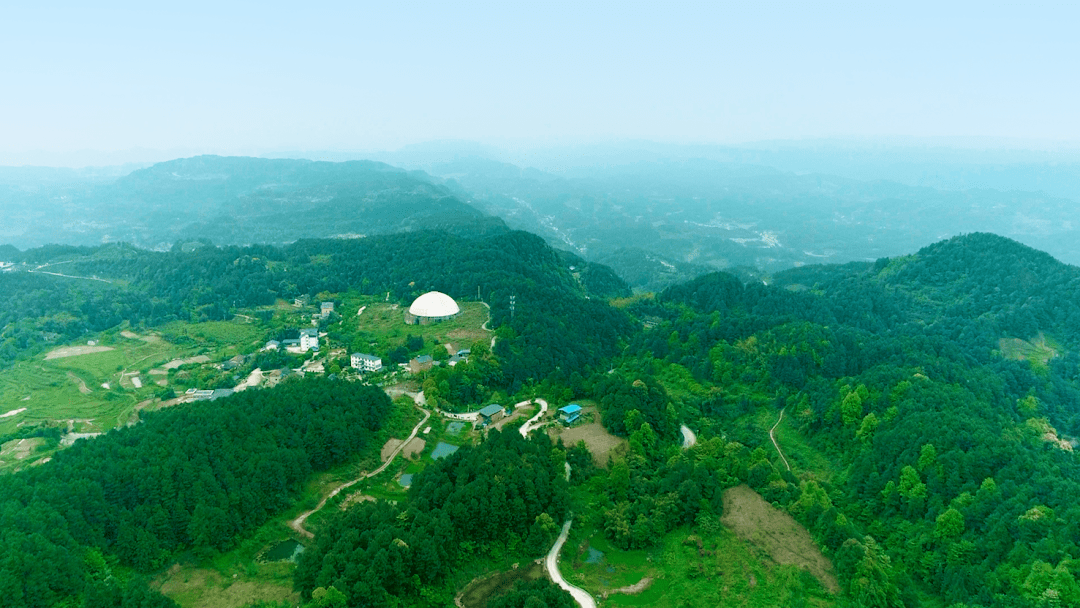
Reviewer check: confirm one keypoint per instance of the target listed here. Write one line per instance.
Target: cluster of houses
(308, 340)
(491, 413)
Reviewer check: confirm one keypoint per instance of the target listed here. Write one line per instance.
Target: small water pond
(455, 427)
(595, 556)
(442, 450)
(405, 480)
(284, 551)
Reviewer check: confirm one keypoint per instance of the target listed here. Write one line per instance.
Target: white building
(309, 339)
(365, 363)
(431, 307)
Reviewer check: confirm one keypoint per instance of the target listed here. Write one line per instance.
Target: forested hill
(977, 288)
(561, 318)
(236, 200)
(940, 388)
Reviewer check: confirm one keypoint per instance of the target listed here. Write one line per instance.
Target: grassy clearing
(381, 326)
(230, 337)
(722, 571)
(1037, 351)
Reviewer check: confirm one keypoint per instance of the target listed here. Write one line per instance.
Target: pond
(442, 450)
(405, 480)
(284, 551)
(455, 427)
(595, 556)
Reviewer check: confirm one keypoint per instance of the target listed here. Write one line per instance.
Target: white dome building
(430, 307)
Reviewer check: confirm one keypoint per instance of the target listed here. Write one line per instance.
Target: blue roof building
(569, 413)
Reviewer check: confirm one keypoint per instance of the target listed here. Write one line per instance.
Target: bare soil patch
(75, 351)
(414, 447)
(388, 449)
(752, 519)
(134, 336)
(600, 442)
(175, 363)
(354, 498)
(634, 589)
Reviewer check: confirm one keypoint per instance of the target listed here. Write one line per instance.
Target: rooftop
(573, 408)
(490, 410)
(434, 304)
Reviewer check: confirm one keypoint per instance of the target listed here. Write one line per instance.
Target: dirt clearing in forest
(595, 436)
(752, 519)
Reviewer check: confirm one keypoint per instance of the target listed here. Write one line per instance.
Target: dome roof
(434, 304)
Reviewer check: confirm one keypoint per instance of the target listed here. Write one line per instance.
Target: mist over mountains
(657, 214)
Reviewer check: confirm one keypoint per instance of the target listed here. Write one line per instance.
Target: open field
(233, 337)
(684, 569)
(193, 587)
(74, 351)
(753, 520)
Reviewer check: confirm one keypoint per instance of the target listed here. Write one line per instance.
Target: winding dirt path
(551, 562)
(298, 523)
(528, 426)
(772, 436)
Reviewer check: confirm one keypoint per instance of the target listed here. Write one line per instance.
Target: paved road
(772, 436)
(688, 437)
(581, 596)
(298, 523)
(530, 424)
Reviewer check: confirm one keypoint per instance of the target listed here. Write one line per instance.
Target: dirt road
(581, 596)
(298, 523)
(530, 424)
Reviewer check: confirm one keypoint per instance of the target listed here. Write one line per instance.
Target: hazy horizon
(114, 84)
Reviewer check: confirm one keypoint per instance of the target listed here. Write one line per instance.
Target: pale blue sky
(252, 78)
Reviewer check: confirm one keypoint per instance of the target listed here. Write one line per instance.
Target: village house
(490, 413)
(420, 364)
(309, 339)
(325, 309)
(570, 413)
(364, 362)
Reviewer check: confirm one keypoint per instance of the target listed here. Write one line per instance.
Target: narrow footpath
(772, 436)
(298, 523)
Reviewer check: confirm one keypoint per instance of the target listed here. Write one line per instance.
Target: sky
(128, 81)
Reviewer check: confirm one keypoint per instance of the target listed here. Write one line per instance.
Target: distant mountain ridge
(240, 200)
